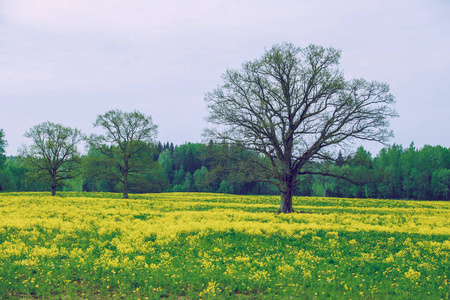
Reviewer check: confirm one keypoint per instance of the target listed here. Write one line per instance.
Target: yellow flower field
(194, 245)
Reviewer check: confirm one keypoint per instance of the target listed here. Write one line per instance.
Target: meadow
(208, 246)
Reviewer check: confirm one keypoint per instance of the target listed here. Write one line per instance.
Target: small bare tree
(294, 106)
(53, 155)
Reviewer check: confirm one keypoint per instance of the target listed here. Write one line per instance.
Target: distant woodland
(394, 173)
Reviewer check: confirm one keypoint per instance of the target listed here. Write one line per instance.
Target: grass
(207, 246)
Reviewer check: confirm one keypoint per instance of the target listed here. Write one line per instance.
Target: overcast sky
(69, 61)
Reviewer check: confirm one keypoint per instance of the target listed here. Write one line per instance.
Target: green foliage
(223, 188)
(440, 184)
(200, 180)
(157, 180)
(395, 173)
(145, 174)
(179, 176)
(15, 177)
(53, 157)
(127, 149)
(166, 162)
(3, 145)
(187, 185)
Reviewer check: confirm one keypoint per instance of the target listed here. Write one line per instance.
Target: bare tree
(54, 154)
(125, 145)
(294, 106)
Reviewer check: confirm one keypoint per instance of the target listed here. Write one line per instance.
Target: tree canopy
(53, 154)
(294, 106)
(124, 146)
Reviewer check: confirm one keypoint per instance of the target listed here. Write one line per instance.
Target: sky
(69, 61)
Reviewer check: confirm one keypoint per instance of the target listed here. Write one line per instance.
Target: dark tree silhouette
(294, 106)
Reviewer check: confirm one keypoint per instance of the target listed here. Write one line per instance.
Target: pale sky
(69, 61)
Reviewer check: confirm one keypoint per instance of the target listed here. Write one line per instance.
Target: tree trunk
(287, 191)
(125, 181)
(125, 186)
(53, 186)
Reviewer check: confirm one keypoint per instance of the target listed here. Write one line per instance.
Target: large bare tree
(294, 106)
(125, 145)
(53, 156)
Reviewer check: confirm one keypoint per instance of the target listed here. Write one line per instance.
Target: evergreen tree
(3, 145)
(340, 159)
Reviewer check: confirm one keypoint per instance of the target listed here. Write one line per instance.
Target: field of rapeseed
(205, 246)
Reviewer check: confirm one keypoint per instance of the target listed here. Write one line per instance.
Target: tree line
(394, 173)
